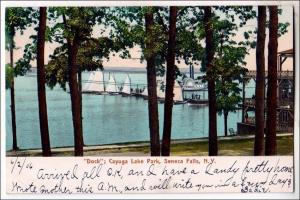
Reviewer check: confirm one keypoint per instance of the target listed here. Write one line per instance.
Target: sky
(284, 42)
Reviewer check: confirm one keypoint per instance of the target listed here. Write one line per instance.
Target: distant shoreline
(121, 69)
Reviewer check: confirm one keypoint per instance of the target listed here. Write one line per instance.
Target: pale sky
(284, 42)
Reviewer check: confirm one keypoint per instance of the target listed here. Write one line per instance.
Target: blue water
(106, 119)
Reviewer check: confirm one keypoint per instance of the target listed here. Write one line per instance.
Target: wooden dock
(251, 74)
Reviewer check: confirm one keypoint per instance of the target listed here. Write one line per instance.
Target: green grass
(233, 147)
(285, 146)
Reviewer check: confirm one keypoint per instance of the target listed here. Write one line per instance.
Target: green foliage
(126, 28)
(228, 103)
(190, 32)
(18, 18)
(23, 64)
(229, 55)
(89, 57)
(79, 22)
(128, 24)
(76, 26)
(282, 28)
(56, 71)
(244, 13)
(228, 73)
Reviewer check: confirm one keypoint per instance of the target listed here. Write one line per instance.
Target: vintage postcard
(110, 99)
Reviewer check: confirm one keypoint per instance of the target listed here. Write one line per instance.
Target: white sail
(112, 85)
(86, 85)
(97, 85)
(177, 92)
(95, 82)
(127, 85)
(145, 92)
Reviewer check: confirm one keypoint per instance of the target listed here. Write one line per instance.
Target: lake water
(106, 119)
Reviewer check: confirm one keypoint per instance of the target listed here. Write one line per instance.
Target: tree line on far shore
(166, 35)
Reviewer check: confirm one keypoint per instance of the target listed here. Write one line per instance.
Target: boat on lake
(197, 99)
(145, 92)
(177, 91)
(95, 83)
(178, 94)
(190, 84)
(126, 90)
(111, 86)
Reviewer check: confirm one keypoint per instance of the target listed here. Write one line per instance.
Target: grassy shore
(230, 146)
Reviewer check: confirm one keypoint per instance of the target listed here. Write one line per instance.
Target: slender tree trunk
(170, 84)
(75, 99)
(271, 145)
(80, 96)
(212, 136)
(260, 82)
(41, 84)
(243, 106)
(152, 94)
(74, 93)
(225, 122)
(12, 97)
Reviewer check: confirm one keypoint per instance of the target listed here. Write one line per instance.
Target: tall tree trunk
(41, 84)
(212, 136)
(225, 122)
(74, 92)
(12, 97)
(152, 94)
(170, 84)
(80, 97)
(271, 145)
(243, 106)
(75, 99)
(260, 82)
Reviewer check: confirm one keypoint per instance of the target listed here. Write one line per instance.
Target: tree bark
(80, 98)
(243, 106)
(271, 145)
(41, 84)
(212, 136)
(74, 92)
(12, 97)
(152, 94)
(225, 122)
(169, 84)
(260, 83)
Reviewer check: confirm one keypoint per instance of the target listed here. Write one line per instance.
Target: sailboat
(160, 94)
(95, 83)
(126, 91)
(177, 91)
(112, 87)
(144, 94)
(178, 96)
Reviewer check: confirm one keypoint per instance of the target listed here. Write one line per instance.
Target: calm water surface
(106, 119)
